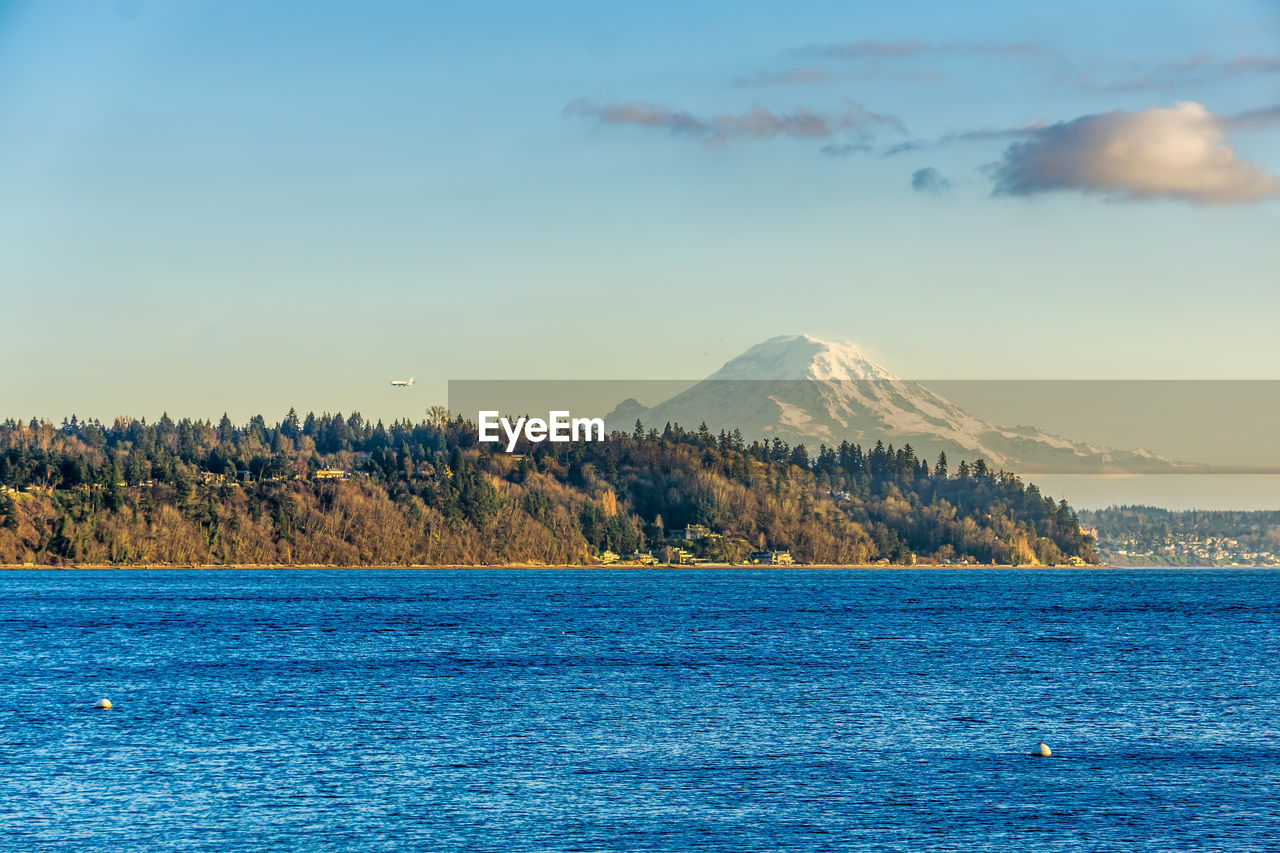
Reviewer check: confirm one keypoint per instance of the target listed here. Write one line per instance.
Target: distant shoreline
(612, 566)
(567, 567)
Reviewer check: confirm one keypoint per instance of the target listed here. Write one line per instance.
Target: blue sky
(244, 206)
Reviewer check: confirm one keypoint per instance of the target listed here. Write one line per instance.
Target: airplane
(402, 383)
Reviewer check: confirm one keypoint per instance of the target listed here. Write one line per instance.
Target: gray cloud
(870, 59)
(844, 149)
(1177, 152)
(865, 145)
(984, 134)
(979, 135)
(929, 180)
(808, 75)
(755, 123)
(868, 49)
(905, 147)
(1192, 71)
(640, 113)
(1099, 75)
(874, 49)
(1254, 119)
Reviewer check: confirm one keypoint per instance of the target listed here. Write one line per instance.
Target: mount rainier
(809, 391)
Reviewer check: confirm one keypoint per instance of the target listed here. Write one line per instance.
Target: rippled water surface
(648, 710)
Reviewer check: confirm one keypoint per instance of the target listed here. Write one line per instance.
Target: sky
(245, 206)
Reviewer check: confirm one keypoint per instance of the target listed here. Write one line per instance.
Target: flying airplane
(402, 383)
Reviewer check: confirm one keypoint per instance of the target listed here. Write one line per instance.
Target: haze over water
(640, 710)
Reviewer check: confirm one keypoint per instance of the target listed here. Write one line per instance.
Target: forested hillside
(340, 490)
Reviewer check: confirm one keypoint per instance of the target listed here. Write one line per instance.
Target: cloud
(929, 180)
(755, 123)
(904, 147)
(808, 75)
(869, 49)
(1180, 74)
(983, 134)
(844, 149)
(907, 146)
(1178, 152)
(640, 113)
(1100, 74)
(1254, 119)
(873, 59)
(889, 49)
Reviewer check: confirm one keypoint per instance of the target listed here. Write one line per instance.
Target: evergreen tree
(291, 427)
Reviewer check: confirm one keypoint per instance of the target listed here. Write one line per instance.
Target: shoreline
(417, 567)
(187, 567)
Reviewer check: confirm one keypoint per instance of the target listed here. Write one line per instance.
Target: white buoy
(103, 704)
(1042, 749)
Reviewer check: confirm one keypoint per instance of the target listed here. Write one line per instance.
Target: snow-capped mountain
(805, 390)
(802, 357)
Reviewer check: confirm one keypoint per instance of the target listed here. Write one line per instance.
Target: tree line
(198, 492)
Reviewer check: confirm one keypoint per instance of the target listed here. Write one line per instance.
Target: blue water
(648, 710)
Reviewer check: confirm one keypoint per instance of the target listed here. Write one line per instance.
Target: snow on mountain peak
(805, 390)
(802, 357)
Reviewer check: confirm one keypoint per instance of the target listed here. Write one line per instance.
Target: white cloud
(1178, 152)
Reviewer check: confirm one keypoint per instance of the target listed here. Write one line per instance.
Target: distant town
(1151, 536)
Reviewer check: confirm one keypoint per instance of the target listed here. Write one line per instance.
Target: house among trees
(692, 533)
(679, 557)
(215, 481)
(773, 558)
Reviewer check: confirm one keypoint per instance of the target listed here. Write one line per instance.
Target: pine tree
(291, 427)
